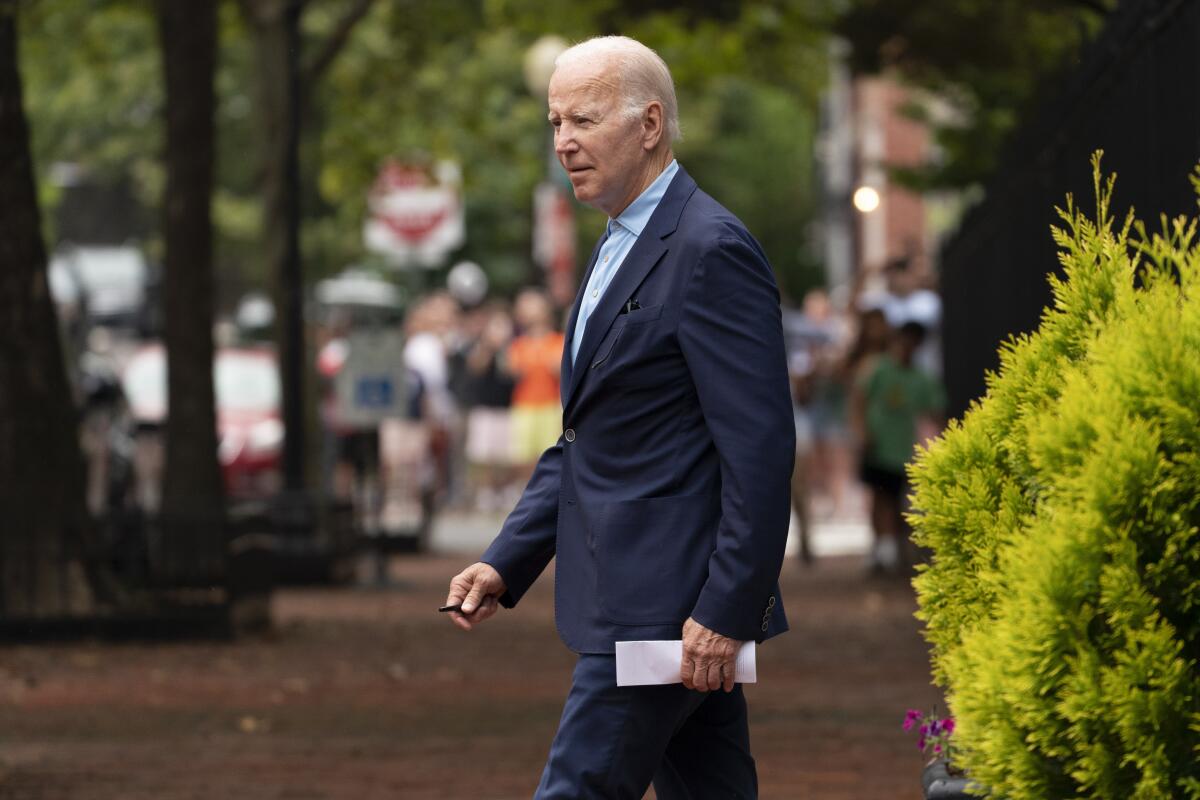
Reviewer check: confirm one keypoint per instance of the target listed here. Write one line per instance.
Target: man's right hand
(478, 588)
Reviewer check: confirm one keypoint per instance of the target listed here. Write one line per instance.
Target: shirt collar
(635, 217)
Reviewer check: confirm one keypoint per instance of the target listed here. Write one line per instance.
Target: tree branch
(313, 71)
(248, 12)
(263, 13)
(1099, 7)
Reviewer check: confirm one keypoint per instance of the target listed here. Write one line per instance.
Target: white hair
(644, 76)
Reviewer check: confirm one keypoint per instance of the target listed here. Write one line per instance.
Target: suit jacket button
(764, 626)
(569, 434)
(771, 602)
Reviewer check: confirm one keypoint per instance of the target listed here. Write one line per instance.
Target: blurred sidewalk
(361, 692)
(469, 533)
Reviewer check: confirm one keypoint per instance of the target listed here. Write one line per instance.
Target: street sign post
(372, 385)
(554, 240)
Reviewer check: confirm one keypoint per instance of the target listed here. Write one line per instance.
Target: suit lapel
(645, 254)
(564, 380)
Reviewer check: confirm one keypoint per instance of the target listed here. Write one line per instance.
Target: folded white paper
(656, 663)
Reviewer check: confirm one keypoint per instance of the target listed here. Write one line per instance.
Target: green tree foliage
(987, 60)
(735, 124)
(98, 101)
(438, 80)
(456, 92)
(1063, 512)
(99, 104)
(447, 82)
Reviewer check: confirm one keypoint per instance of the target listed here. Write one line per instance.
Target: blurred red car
(249, 427)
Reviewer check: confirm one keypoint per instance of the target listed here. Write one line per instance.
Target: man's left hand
(708, 658)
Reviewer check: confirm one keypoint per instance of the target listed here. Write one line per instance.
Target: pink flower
(933, 732)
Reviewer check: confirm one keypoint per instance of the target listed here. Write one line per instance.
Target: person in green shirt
(891, 401)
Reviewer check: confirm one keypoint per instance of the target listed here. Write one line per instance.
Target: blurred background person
(487, 395)
(351, 452)
(831, 457)
(893, 396)
(535, 361)
(907, 295)
(356, 467)
(805, 338)
(872, 334)
(432, 329)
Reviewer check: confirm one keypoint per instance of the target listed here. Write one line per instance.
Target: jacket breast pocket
(639, 316)
(627, 321)
(652, 557)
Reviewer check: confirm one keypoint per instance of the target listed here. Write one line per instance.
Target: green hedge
(1062, 600)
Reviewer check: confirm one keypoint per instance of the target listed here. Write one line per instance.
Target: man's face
(599, 147)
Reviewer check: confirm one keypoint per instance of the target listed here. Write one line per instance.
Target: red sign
(416, 214)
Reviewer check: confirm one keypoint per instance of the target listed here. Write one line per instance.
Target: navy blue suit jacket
(668, 494)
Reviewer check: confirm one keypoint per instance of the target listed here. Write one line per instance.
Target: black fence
(162, 577)
(152, 577)
(135, 571)
(1134, 96)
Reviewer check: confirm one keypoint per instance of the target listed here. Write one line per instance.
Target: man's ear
(653, 126)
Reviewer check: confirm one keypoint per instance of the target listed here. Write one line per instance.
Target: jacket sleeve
(731, 335)
(528, 538)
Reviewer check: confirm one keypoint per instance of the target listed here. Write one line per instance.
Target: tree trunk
(276, 25)
(193, 494)
(44, 524)
(282, 85)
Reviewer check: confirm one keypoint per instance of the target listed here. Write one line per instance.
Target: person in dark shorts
(487, 394)
(891, 401)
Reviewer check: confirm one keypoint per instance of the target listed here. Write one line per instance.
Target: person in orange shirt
(535, 360)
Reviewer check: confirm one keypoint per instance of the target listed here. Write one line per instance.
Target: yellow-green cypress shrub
(1062, 600)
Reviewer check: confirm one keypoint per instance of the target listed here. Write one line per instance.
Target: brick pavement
(365, 693)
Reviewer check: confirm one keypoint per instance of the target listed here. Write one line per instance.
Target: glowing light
(866, 199)
(539, 63)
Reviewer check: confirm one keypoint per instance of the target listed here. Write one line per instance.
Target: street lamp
(539, 69)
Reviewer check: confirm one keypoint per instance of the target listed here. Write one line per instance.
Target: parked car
(249, 425)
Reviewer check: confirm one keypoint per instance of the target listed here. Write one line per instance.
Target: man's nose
(564, 140)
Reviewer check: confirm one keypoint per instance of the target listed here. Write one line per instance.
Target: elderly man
(665, 500)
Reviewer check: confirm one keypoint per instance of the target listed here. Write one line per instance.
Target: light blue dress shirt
(623, 233)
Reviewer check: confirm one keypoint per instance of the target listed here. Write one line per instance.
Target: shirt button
(595, 292)
(569, 434)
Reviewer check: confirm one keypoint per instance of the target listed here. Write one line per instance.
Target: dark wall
(1134, 96)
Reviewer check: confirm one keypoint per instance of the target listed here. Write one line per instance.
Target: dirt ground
(366, 693)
